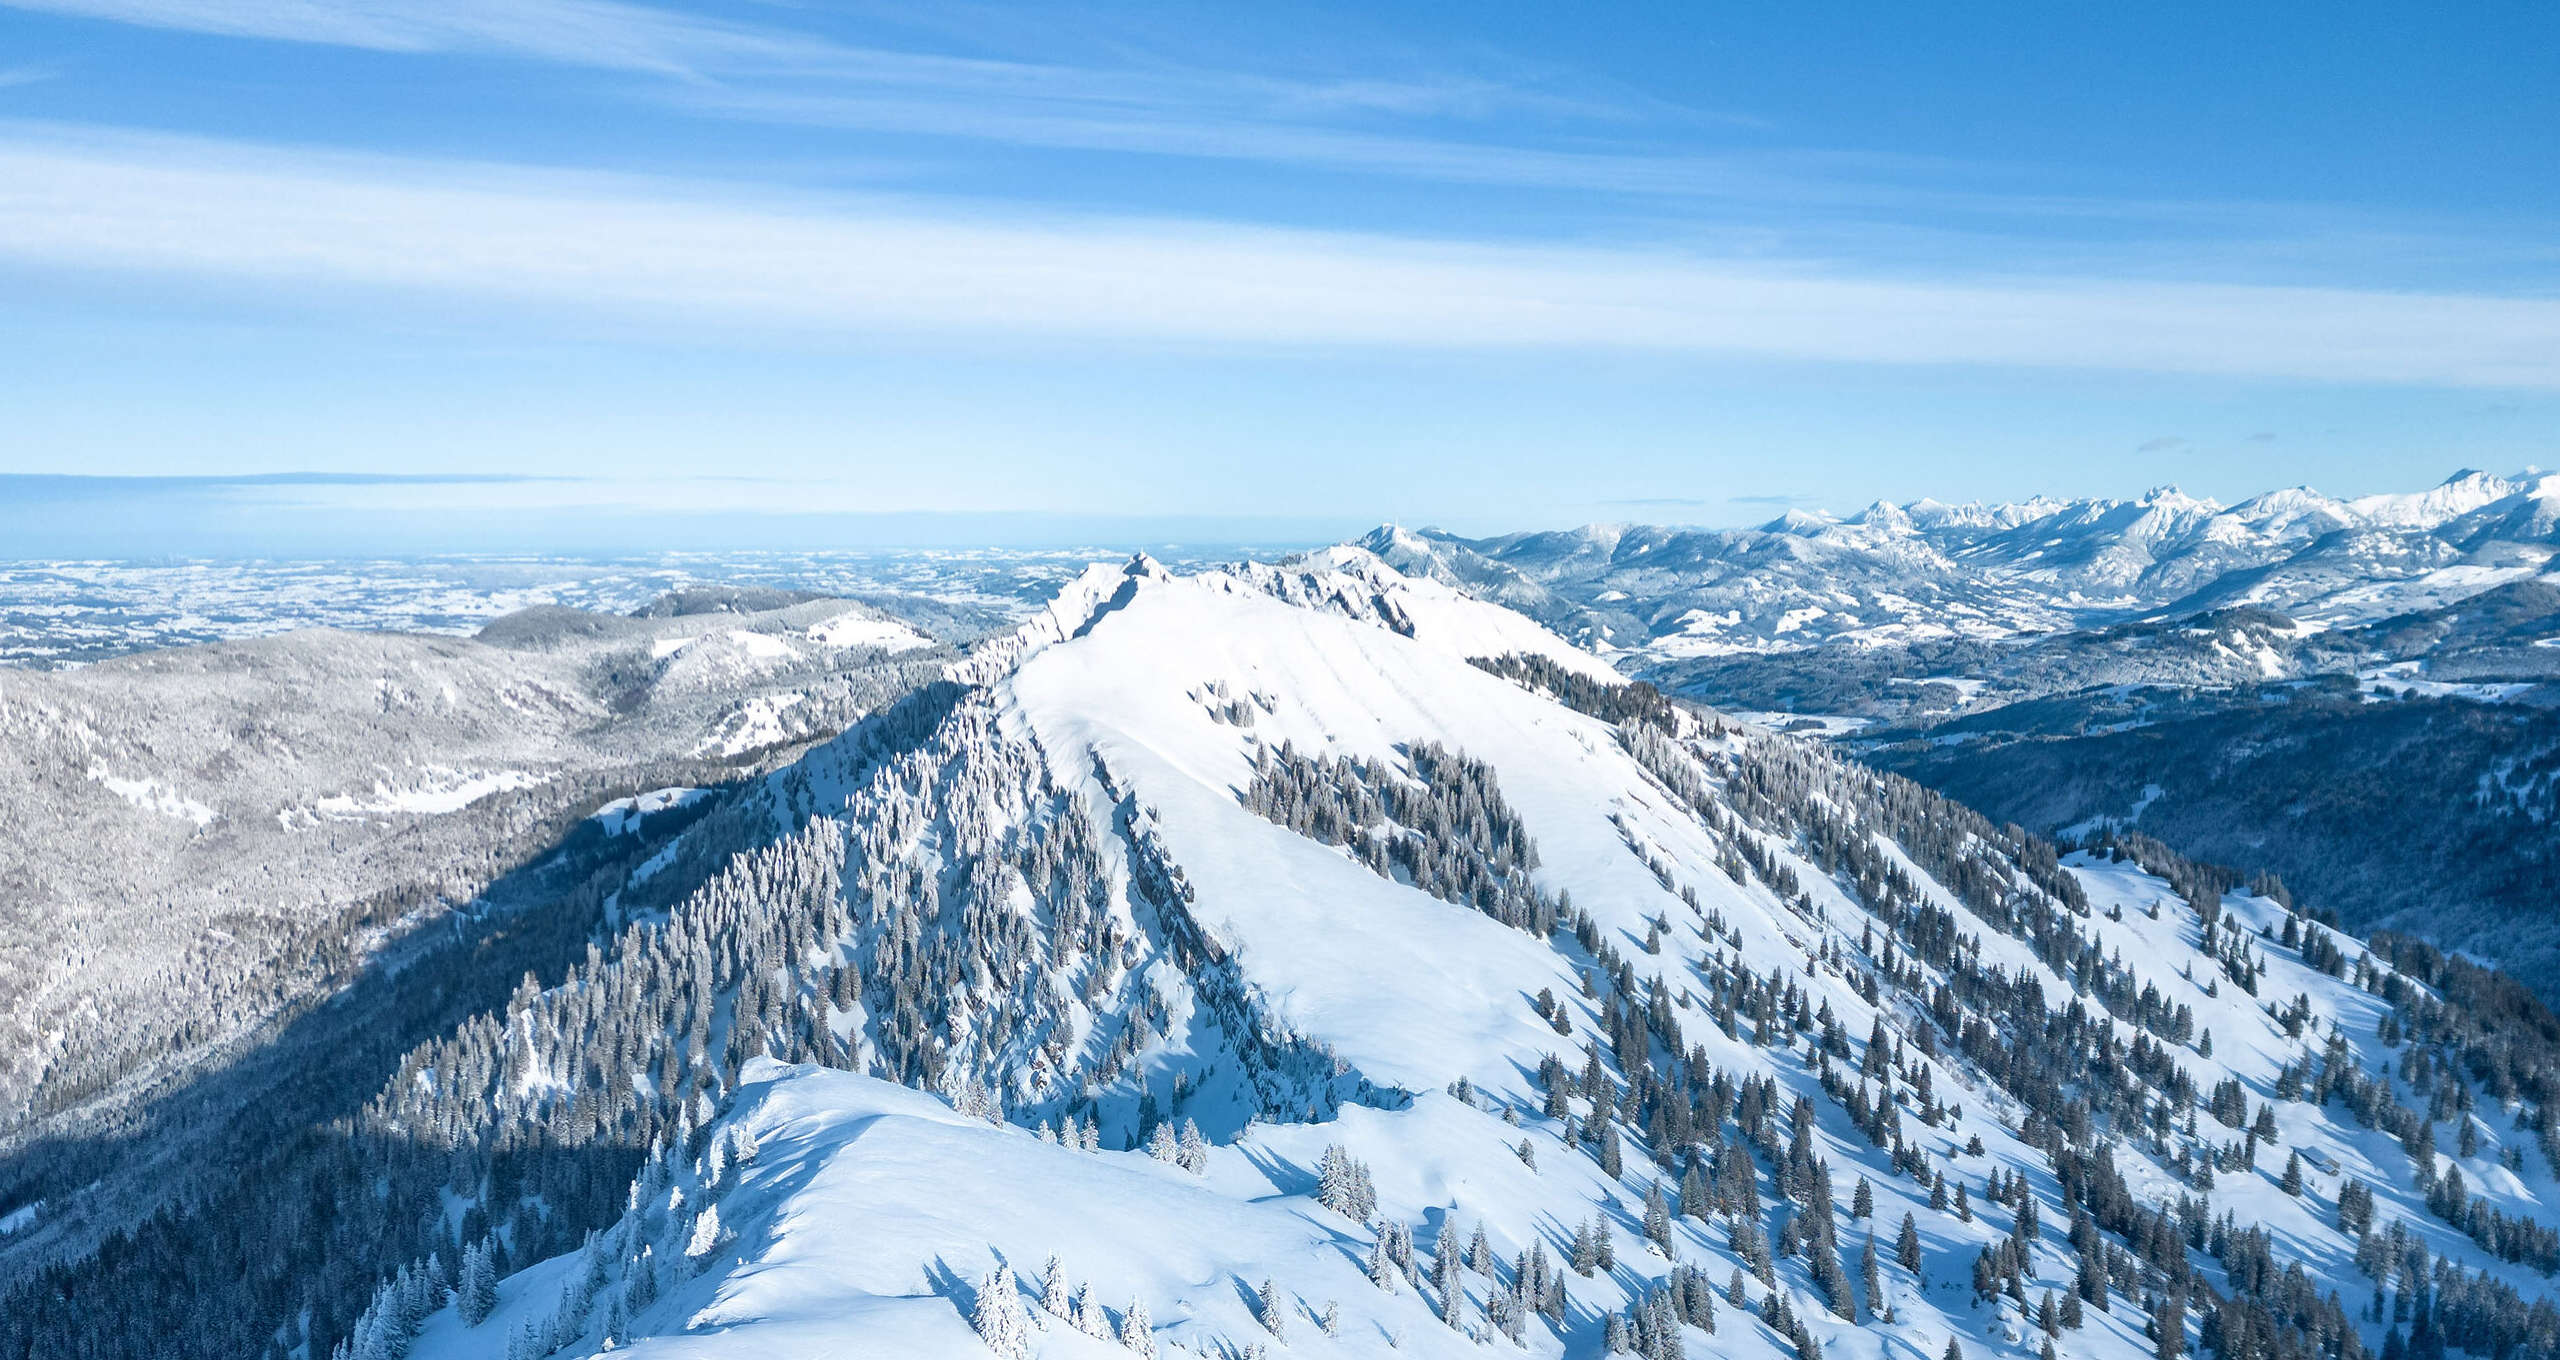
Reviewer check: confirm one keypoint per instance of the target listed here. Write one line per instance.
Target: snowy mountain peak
(2168, 497)
(1933, 513)
(1884, 516)
(2292, 513)
(1408, 551)
(1388, 539)
(2460, 494)
(1795, 521)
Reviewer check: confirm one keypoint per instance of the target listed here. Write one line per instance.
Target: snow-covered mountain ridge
(1930, 572)
(1287, 963)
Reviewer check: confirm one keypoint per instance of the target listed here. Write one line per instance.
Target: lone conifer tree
(1274, 1310)
(1137, 1330)
(1869, 1278)
(1382, 1264)
(706, 1236)
(2171, 1324)
(1657, 1218)
(477, 1295)
(1054, 1299)
(998, 1316)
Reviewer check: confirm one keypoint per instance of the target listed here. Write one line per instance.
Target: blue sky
(1484, 265)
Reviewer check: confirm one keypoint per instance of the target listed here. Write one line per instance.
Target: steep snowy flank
(1265, 974)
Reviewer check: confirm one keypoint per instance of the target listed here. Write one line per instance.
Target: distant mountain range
(1932, 573)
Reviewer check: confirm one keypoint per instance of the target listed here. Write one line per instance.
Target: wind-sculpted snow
(1053, 962)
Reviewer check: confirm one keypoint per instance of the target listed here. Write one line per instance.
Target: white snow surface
(751, 723)
(1410, 991)
(858, 629)
(152, 795)
(428, 792)
(623, 815)
(869, 1203)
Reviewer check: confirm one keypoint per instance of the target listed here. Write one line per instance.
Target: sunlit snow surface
(427, 792)
(151, 795)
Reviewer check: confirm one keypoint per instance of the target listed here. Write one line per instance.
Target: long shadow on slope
(251, 1186)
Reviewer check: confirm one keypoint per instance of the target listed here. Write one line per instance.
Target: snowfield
(622, 816)
(869, 1202)
(154, 797)
(428, 792)
(854, 629)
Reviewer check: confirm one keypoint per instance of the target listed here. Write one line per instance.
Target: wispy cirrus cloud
(683, 252)
(612, 35)
(1226, 128)
(1156, 107)
(1420, 125)
(1514, 129)
(598, 33)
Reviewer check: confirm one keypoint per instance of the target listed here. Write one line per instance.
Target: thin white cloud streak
(618, 36)
(781, 76)
(579, 32)
(1783, 197)
(1202, 131)
(1862, 205)
(682, 254)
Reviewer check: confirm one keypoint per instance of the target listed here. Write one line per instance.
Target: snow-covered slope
(1260, 952)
